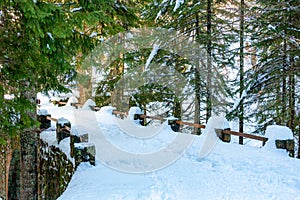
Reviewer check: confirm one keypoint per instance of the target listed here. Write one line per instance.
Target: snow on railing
(223, 134)
(80, 149)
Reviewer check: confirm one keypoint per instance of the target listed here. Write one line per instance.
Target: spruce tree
(209, 23)
(276, 37)
(40, 40)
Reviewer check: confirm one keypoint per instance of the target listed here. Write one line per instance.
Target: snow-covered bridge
(135, 162)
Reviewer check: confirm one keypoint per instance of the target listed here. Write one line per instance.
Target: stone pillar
(141, 120)
(63, 128)
(42, 118)
(287, 145)
(84, 152)
(29, 176)
(223, 136)
(174, 126)
(2, 172)
(77, 139)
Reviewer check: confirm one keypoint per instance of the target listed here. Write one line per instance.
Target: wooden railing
(179, 122)
(224, 135)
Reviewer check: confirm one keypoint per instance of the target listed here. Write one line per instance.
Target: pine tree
(209, 23)
(276, 37)
(39, 40)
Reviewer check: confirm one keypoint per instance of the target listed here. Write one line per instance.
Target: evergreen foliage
(42, 43)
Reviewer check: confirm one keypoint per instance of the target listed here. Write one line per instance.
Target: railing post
(84, 152)
(42, 118)
(174, 126)
(226, 137)
(287, 145)
(141, 119)
(77, 139)
(223, 136)
(63, 127)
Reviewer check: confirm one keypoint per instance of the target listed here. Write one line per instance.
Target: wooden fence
(224, 135)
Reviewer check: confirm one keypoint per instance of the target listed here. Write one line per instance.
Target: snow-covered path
(230, 171)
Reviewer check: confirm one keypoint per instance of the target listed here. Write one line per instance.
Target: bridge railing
(224, 135)
(80, 149)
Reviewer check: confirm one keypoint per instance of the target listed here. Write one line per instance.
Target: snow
(82, 145)
(62, 121)
(75, 9)
(87, 104)
(158, 15)
(132, 111)
(166, 166)
(42, 112)
(177, 4)
(50, 35)
(72, 100)
(9, 96)
(151, 56)
(276, 132)
(93, 34)
(49, 136)
(107, 109)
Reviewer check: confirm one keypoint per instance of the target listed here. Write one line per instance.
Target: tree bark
(196, 131)
(241, 70)
(209, 63)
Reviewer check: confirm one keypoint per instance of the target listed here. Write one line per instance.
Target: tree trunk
(8, 159)
(284, 87)
(241, 70)
(196, 131)
(292, 98)
(209, 63)
(197, 105)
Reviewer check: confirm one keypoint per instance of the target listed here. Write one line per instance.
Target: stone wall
(53, 167)
(55, 171)
(2, 171)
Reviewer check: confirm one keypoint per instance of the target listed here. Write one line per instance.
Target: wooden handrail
(119, 112)
(246, 135)
(52, 119)
(67, 128)
(151, 117)
(190, 124)
(55, 120)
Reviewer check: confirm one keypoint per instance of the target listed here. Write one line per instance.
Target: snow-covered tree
(276, 37)
(210, 24)
(40, 40)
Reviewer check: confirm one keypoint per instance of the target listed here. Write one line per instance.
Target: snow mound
(106, 110)
(87, 104)
(133, 111)
(210, 135)
(276, 132)
(42, 112)
(62, 121)
(71, 100)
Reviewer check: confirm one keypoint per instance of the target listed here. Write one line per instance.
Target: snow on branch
(177, 4)
(152, 55)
